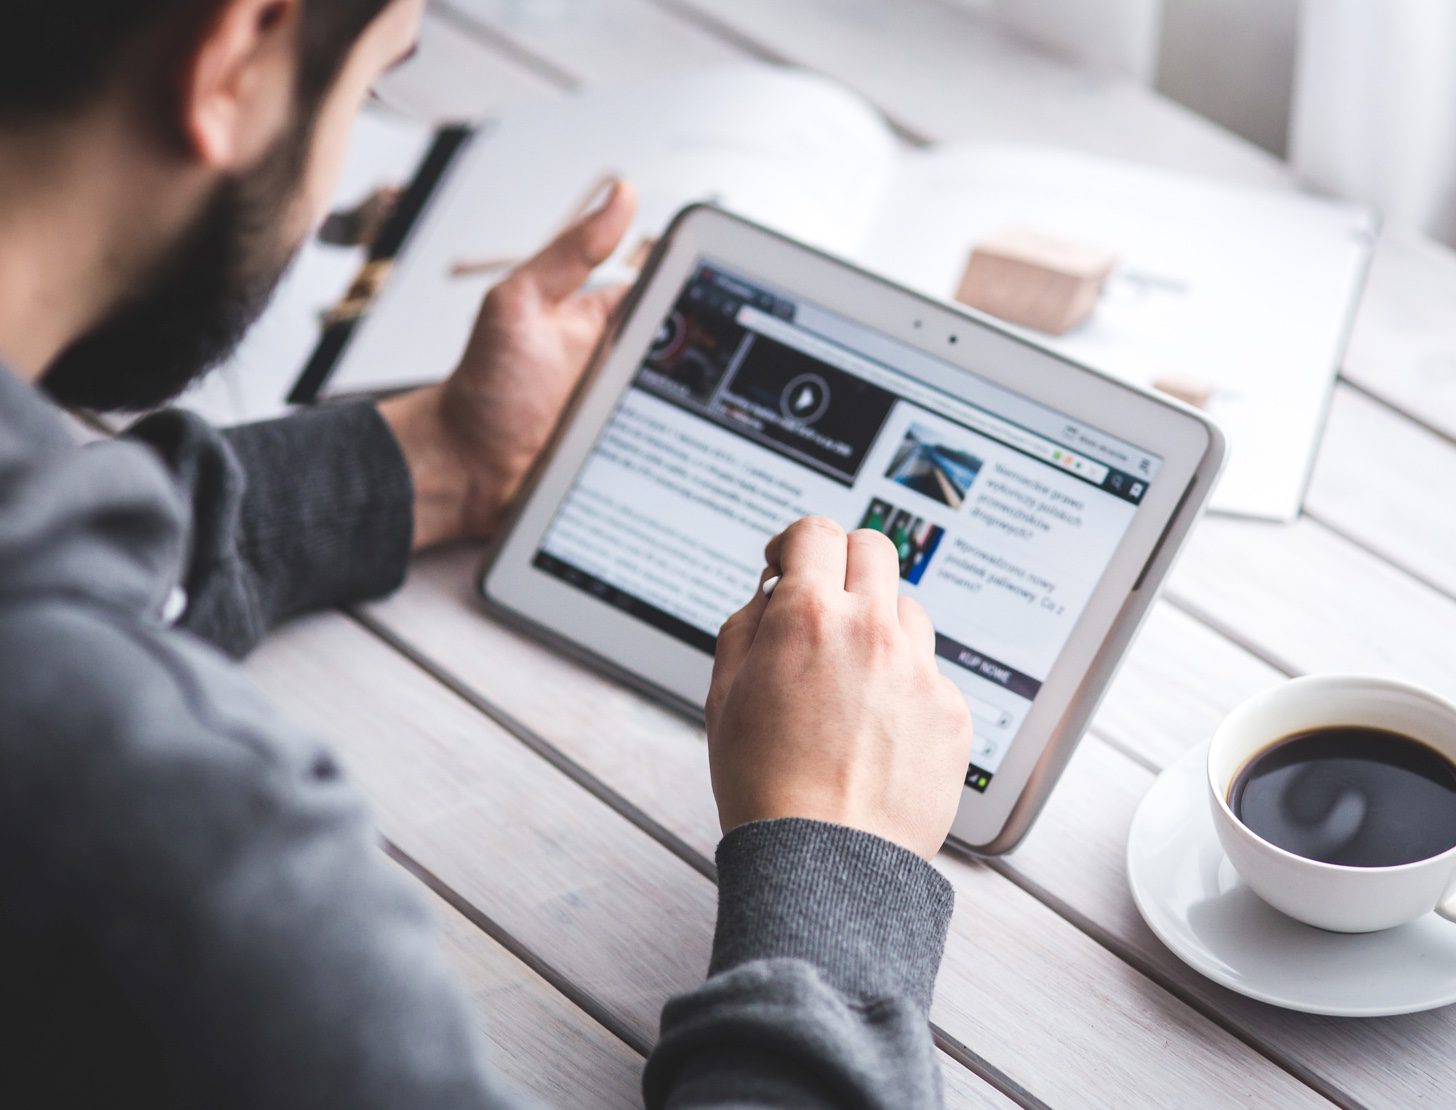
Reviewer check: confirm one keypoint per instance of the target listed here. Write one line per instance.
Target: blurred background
(1360, 96)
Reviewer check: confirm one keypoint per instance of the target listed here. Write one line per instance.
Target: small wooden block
(1036, 280)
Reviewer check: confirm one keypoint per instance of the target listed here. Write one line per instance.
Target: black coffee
(1361, 797)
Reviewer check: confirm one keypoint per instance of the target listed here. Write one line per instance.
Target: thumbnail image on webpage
(752, 409)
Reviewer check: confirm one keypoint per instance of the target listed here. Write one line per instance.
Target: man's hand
(826, 702)
(470, 441)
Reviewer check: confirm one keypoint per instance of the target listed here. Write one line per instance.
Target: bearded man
(195, 912)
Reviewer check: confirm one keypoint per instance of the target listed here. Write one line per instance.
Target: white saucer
(1192, 898)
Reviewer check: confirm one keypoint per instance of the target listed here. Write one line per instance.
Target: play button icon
(805, 398)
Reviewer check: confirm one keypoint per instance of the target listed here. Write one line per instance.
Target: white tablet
(751, 380)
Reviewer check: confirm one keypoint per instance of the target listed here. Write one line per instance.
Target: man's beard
(194, 308)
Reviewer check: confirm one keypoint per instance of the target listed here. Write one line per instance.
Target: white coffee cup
(1332, 896)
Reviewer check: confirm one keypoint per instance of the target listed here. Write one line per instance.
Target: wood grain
(611, 911)
(1403, 348)
(1310, 601)
(1387, 484)
(1178, 682)
(530, 1029)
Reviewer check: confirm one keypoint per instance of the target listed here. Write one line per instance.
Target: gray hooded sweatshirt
(194, 911)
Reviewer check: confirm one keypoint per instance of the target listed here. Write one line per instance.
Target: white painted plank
(1389, 485)
(529, 1028)
(1105, 1035)
(1179, 681)
(1403, 348)
(1314, 602)
(1019, 986)
(610, 909)
(965, 1089)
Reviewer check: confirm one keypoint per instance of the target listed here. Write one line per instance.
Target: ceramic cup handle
(1446, 907)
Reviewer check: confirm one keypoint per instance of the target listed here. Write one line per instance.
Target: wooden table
(564, 826)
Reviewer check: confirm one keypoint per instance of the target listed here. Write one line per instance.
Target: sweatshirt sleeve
(818, 992)
(288, 515)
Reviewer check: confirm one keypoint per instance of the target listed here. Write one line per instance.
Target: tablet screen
(753, 408)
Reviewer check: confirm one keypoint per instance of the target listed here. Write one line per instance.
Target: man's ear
(237, 84)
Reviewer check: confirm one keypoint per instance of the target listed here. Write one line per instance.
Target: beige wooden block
(1036, 280)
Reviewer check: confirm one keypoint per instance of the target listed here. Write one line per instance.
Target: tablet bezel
(1190, 446)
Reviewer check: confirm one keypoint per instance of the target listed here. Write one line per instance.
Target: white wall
(1232, 61)
(1358, 95)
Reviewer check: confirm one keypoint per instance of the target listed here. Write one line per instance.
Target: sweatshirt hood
(100, 521)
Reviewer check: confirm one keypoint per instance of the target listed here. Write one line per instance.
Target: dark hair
(57, 56)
